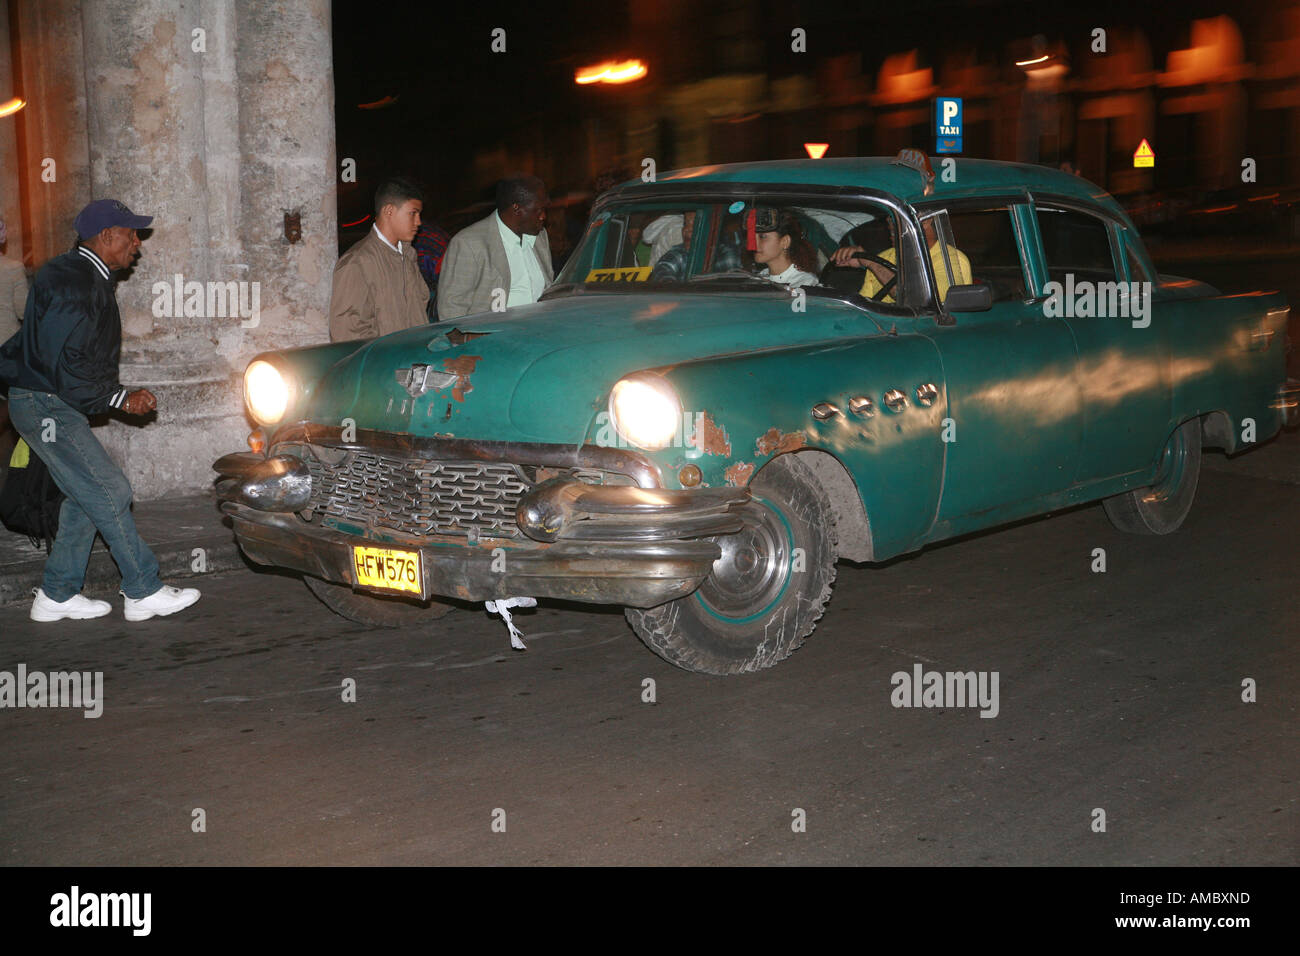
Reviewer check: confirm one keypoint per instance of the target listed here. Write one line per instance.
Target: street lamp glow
(816, 150)
(1037, 59)
(13, 106)
(611, 72)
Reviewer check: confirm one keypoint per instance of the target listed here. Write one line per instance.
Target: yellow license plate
(387, 569)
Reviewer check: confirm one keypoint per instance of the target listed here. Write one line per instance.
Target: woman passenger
(780, 247)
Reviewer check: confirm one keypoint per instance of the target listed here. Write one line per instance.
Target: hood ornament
(418, 379)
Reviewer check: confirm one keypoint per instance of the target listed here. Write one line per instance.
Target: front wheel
(1161, 507)
(375, 610)
(765, 593)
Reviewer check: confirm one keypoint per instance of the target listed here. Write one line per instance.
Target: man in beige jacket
(501, 261)
(378, 288)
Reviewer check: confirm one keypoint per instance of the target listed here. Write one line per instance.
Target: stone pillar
(287, 164)
(215, 118)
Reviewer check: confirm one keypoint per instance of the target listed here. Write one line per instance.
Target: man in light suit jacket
(503, 257)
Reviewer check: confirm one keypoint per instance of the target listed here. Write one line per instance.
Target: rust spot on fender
(773, 442)
(710, 437)
(457, 337)
(738, 475)
(462, 367)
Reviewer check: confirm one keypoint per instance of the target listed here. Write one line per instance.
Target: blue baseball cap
(103, 213)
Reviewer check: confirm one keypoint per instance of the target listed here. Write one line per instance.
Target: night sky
(456, 98)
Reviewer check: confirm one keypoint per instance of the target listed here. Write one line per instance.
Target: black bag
(30, 500)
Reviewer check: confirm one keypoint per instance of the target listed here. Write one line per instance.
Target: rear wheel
(375, 610)
(765, 593)
(1161, 507)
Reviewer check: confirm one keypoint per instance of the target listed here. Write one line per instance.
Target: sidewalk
(187, 534)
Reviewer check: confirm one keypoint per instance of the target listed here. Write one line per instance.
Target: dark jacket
(70, 341)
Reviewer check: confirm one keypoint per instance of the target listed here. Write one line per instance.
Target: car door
(1123, 356)
(1010, 372)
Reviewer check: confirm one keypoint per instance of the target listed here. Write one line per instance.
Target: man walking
(378, 288)
(60, 367)
(505, 254)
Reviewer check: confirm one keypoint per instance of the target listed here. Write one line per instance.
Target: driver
(780, 247)
(878, 275)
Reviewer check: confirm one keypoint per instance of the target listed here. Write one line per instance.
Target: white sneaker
(78, 607)
(166, 600)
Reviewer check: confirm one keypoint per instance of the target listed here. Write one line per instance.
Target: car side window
(1075, 243)
(982, 250)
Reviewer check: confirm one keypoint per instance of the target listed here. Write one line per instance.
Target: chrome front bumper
(605, 544)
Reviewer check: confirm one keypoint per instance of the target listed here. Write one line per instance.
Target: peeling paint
(462, 367)
(710, 437)
(457, 337)
(778, 443)
(738, 475)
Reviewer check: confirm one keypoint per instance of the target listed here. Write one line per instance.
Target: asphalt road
(1119, 690)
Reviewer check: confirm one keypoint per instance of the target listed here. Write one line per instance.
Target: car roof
(973, 177)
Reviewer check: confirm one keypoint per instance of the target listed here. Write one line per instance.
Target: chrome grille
(420, 497)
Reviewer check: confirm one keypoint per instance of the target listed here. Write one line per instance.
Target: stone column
(214, 118)
(287, 164)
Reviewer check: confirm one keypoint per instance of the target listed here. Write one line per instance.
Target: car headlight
(645, 410)
(266, 392)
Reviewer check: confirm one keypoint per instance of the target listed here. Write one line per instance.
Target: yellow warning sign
(1144, 155)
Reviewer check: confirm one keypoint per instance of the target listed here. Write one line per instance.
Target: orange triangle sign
(816, 150)
(1144, 155)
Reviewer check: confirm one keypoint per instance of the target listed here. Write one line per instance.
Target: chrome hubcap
(753, 568)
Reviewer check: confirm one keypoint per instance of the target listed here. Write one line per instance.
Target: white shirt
(527, 282)
(384, 239)
(793, 276)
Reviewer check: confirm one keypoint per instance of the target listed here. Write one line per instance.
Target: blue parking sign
(947, 125)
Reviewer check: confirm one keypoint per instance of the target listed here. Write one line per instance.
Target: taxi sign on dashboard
(620, 274)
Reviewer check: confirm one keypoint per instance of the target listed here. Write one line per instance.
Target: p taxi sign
(947, 128)
(1144, 155)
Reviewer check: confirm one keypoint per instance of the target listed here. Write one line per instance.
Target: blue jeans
(98, 498)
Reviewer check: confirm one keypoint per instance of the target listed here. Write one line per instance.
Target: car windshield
(746, 243)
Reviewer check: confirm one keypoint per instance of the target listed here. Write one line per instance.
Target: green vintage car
(696, 427)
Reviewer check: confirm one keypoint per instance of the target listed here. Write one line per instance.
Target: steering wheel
(892, 267)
